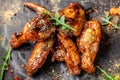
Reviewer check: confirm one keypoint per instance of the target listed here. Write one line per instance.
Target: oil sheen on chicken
(88, 44)
(75, 17)
(72, 57)
(38, 56)
(37, 29)
(59, 53)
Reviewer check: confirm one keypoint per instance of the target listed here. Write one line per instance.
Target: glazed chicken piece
(75, 17)
(37, 29)
(39, 55)
(74, 14)
(59, 53)
(38, 8)
(72, 57)
(88, 43)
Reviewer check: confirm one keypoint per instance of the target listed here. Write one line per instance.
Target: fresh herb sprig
(5, 58)
(108, 76)
(60, 21)
(106, 21)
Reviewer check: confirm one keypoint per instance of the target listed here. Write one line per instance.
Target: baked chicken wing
(88, 44)
(75, 17)
(39, 55)
(37, 29)
(72, 57)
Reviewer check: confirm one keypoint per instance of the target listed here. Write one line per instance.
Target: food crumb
(67, 74)
(53, 71)
(11, 71)
(6, 68)
(62, 72)
(109, 69)
(15, 77)
(22, 65)
(117, 65)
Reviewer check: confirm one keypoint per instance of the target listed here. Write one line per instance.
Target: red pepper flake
(11, 71)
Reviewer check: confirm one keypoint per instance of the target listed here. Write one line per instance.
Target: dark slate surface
(13, 16)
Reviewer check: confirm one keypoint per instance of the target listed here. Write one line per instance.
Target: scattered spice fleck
(53, 71)
(22, 65)
(109, 69)
(68, 74)
(6, 68)
(11, 71)
(117, 65)
(16, 77)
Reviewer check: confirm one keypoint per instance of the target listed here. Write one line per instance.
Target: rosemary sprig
(5, 58)
(106, 74)
(60, 21)
(106, 21)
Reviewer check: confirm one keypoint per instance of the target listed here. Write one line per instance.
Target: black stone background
(108, 56)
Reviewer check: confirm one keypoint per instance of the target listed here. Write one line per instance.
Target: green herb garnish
(3, 65)
(106, 74)
(106, 21)
(60, 21)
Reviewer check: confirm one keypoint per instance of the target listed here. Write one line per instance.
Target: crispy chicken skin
(24, 35)
(38, 29)
(38, 8)
(72, 57)
(74, 13)
(59, 53)
(88, 44)
(75, 17)
(38, 56)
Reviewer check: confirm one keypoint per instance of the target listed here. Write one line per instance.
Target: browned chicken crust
(37, 29)
(72, 57)
(38, 56)
(41, 30)
(59, 53)
(88, 44)
(38, 8)
(75, 17)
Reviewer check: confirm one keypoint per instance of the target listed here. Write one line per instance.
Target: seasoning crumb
(109, 69)
(15, 77)
(6, 68)
(62, 72)
(22, 65)
(68, 74)
(117, 65)
(53, 71)
(11, 71)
